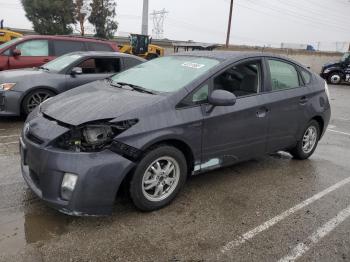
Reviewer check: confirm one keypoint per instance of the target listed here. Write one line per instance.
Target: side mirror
(222, 98)
(76, 71)
(16, 52)
(150, 40)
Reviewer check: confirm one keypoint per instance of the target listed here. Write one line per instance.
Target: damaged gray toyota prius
(152, 126)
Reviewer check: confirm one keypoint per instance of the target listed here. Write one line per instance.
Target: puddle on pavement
(17, 230)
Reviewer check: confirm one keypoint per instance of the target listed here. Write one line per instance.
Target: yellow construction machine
(141, 45)
(6, 34)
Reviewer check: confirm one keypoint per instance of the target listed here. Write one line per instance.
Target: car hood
(331, 64)
(95, 101)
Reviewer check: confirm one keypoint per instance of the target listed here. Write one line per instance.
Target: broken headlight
(92, 137)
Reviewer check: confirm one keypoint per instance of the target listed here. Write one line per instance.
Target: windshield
(345, 57)
(60, 63)
(166, 74)
(4, 45)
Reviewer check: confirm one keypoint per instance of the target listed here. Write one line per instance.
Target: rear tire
(158, 178)
(34, 98)
(307, 142)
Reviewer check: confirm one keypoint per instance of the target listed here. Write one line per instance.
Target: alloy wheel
(160, 179)
(36, 99)
(309, 139)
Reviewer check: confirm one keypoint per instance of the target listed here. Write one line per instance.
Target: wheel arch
(320, 121)
(175, 142)
(27, 92)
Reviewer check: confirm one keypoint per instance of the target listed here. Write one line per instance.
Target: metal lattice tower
(158, 23)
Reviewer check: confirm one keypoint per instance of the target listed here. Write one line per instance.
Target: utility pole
(144, 29)
(229, 25)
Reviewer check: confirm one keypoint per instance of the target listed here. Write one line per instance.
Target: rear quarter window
(62, 47)
(306, 76)
(130, 62)
(99, 47)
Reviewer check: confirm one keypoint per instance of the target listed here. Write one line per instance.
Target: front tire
(158, 178)
(35, 98)
(308, 142)
(334, 78)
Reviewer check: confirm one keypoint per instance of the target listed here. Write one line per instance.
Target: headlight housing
(6, 86)
(92, 137)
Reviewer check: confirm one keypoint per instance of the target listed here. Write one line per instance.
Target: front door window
(241, 80)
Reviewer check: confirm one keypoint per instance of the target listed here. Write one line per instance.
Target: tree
(102, 18)
(50, 17)
(81, 14)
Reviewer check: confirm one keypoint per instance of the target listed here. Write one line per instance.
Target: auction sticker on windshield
(193, 65)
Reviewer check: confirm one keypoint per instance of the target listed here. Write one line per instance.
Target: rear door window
(100, 66)
(99, 47)
(283, 75)
(34, 48)
(63, 47)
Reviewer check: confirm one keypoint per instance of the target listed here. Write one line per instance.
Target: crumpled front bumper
(99, 176)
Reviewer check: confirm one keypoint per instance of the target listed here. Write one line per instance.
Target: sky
(321, 23)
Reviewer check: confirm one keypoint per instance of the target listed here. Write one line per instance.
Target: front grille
(34, 138)
(35, 178)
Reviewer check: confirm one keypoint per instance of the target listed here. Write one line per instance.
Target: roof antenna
(2, 24)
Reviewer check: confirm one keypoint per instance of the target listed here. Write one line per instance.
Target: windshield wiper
(134, 87)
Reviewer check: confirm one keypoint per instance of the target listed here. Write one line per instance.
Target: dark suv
(36, 50)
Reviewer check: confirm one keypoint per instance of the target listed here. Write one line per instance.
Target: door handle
(46, 60)
(303, 100)
(262, 112)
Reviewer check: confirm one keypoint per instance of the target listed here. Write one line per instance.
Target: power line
(297, 15)
(314, 24)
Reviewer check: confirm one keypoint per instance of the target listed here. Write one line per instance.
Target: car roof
(232, 56)
(67, 37)
(104, 54)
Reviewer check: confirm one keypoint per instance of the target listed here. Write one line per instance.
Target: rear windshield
(166, 74)
(4, 45)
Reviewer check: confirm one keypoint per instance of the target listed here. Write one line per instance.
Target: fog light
(68, 185)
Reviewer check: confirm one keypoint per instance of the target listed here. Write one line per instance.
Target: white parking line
(9, 143)
(9, 136)
(320, 233)
(344, 119)
(252, 233)
(339, 132)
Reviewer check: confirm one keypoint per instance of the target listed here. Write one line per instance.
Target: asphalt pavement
(268, 209)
